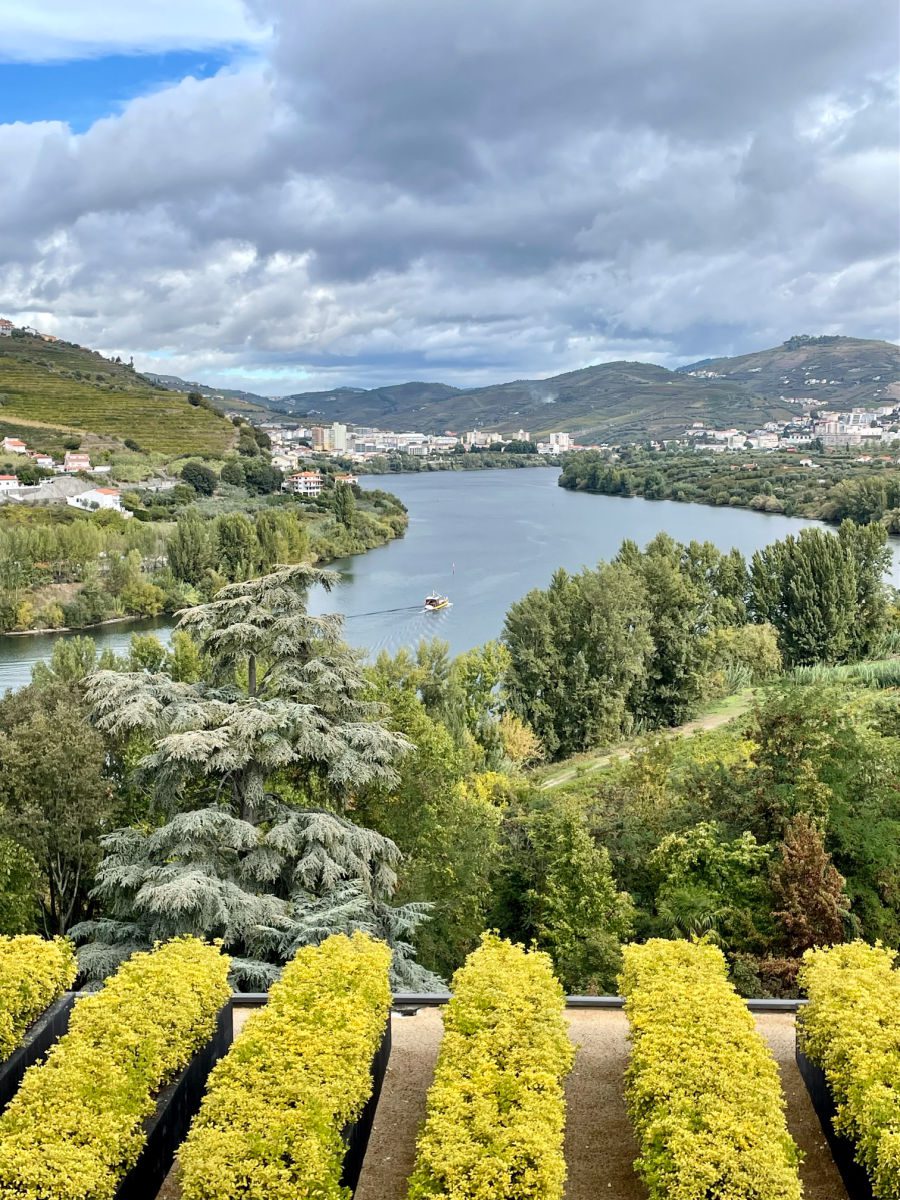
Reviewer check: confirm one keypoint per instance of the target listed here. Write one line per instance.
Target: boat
(436, 601)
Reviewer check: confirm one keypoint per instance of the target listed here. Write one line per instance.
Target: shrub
(496, 1111)
(33, 973)
(270, 1125)
(702, 1089)
(851, 1029)
(75, 1127)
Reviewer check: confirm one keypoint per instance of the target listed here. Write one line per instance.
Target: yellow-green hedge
(33, 973)
(851, 1029)
(298, 1072)
(496, 1110)
(702, 1089)
(75, 1126)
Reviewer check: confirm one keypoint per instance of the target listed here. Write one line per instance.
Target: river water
(484, 538)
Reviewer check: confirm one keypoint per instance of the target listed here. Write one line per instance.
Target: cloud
(54, 30)
(474, 191)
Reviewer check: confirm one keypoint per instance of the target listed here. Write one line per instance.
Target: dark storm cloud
(475, 188)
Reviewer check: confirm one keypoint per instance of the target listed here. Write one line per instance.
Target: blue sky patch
(84, 90)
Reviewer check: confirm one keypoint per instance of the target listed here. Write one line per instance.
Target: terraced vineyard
(69, 388)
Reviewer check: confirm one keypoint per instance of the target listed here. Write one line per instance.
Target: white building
(8, 483)
(14, 446)
(96, 498)
(6, 327)
(560, 442)
(304, 483)
(348, 479)
(75, 461)
(339, 437)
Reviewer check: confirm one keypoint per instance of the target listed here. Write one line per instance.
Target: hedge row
(299, 1071)
(702, 1089)
(496, 1110)
(851, 1029)
(33, 973)
(75, 1126)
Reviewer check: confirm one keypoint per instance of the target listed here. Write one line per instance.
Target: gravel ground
(821, 1179)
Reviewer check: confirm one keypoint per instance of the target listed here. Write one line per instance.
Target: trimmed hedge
(851, 1029)
(702, 1089)
(496, 1109)
(75, 1126)
(33, 973)
(297, 1074)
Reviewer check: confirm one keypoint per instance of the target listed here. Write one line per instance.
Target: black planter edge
(357, 1134)
(843, 1149)
(39, 1037)
(176, 1106)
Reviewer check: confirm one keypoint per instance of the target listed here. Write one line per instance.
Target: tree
(232, 472)
(19, 887)
(260, 477)
(236, 545)
(202, 479)
(557, 889)
(190, 548)
(54, 799)
(266, 865)
(344, 504)
(813, 907)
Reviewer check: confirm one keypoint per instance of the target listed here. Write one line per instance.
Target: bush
(702, 1089)
(202, 479)
(33, 973)
(496, 1111)
(270, 1125)
(851, 1029)
(75, 1128)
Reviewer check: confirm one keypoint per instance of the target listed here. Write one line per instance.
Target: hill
(839, 372)
(60, 388)
(234, 399)
(618, 400)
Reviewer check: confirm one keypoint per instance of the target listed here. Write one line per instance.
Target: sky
(290, 195)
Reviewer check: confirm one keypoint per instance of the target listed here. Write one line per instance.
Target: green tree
(201, 478)
(264, 869)
(19, 888)
(232, 472)
(344, 505)
(236, 545)
(190, 548)
(54, 798)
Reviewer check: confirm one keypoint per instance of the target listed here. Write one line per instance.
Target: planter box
(357, 1135)
(843, 1150)
(39, 1037)
(176, 1107)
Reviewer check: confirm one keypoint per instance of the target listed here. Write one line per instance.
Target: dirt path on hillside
(701, 725)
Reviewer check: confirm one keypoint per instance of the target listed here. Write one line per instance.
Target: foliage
(200, 477)
(703, 1091)
(75, 1127)
(297, 1074)
(55, 800)
(813, 908)
(266, 870)
(19, 874)
(496, 1111)
(33, 973)
(851, 1028)
(557, 890)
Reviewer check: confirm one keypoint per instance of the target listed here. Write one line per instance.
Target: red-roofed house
(8, 483)
(95, 498)
(14, 446)
(304, 483)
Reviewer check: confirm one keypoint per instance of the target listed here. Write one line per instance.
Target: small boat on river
(435, 602)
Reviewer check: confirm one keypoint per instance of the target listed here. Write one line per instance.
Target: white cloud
(471, 193)
(48, 30)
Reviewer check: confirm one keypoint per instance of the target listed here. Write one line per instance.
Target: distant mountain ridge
(623, 401)
(174, 383)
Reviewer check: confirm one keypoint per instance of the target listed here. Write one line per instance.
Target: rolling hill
(624, 401)
(233, 399)
(58, 388)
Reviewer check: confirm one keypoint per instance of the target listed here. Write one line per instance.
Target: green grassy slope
(67, 387)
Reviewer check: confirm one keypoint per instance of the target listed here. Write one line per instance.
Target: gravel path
(391, 1154)
(821, 1179)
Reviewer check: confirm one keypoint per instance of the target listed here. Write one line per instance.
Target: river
(484, 538)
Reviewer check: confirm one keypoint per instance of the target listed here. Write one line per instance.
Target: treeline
(62, 569)
(640, 642)
(514, 454)
(837, 486)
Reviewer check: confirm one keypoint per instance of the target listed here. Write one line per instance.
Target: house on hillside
(41, 460)
(304, 483)
(76, 461)
(6, 327)
(8, 483)
(101, 497)
(14, 446)
(348, 479)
